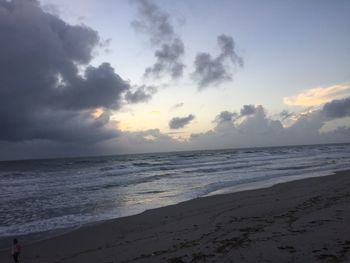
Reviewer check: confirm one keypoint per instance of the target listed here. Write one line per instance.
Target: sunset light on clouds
(319, 96)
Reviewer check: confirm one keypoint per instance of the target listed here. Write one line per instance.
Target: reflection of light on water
(153, 198)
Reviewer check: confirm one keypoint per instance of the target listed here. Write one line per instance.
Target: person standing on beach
(16, 250)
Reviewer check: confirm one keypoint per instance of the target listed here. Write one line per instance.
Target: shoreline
(41, 236)
(153, 222)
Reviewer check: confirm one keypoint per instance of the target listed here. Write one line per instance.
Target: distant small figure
(16, 250)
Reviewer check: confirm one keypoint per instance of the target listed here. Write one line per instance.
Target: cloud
(225, 121)
(285, 114)
(168, 60)
(254, 130)
(337, 108)
(248, 110)
(318, 96)
(227, 48)
(257, 119)
(99, 87)
(156, 24)
(48, 90)
(177, 106)
(211, 70)
(140, 94)
(180, 122)
(153, 21)
(258, 129)
(225, 116)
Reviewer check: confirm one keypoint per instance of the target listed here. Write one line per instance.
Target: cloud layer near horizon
(232, 130)
(253, 128)
(247, 129)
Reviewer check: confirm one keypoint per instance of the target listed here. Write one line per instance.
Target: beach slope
(301, 221)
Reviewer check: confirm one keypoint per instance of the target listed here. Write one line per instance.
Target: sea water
(45, 195)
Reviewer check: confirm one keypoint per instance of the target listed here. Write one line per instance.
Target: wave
(51, 194)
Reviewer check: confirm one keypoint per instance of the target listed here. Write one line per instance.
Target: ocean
(45, 195)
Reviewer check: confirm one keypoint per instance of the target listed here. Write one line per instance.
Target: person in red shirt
(16, 250)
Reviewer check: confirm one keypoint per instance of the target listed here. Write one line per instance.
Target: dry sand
(301, 221)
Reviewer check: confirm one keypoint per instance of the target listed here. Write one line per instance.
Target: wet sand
(301, 221)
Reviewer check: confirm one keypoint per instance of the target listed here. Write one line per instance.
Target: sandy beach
(301, 221)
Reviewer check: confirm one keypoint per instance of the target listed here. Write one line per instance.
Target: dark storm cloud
(100, 87)
(211, 70)
(225, 116)
(248, 110)
(180, 122)
(47, 89)
(140, 94)
(60, 126)
(156, 24)
(337, 108)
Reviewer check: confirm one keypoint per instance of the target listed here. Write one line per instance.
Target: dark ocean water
(43, 195)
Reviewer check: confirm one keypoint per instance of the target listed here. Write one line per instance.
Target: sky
(89, 77)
